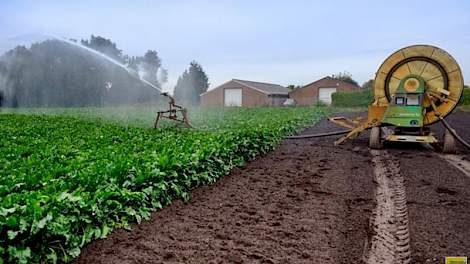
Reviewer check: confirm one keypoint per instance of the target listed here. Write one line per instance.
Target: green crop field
(69, 176)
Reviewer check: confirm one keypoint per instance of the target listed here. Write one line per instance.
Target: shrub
(352, 99)
(465, 100)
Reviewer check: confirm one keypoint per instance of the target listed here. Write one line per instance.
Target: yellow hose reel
(442, 74)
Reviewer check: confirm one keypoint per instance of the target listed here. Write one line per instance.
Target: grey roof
(268, 88)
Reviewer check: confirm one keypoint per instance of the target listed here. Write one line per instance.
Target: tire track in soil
(438, 195)
(389, 240)
(438, 205)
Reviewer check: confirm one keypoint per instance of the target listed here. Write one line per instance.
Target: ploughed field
(70, 176)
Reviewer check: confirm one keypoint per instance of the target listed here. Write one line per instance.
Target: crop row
(66, 181)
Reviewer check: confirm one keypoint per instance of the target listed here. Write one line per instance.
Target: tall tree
(16, 62)
(3, 84)
(150, 64)
(55, 73)
(105, 46)
(163, 76)
(345, 77)
(191, 84)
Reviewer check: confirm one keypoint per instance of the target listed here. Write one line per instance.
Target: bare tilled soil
(438, 196)
(312, 202)
(307, 202)
(389, 239)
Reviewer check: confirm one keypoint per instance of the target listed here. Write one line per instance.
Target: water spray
(175, 112)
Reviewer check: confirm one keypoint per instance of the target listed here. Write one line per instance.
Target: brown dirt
(306, 202)
(389, 241)
(438, 197)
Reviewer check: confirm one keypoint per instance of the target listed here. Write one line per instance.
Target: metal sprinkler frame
(175, 113)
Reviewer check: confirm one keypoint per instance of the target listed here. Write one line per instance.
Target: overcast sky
(284, 42)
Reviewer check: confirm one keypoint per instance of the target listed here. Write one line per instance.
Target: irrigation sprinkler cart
(175, 113)
(415, 87)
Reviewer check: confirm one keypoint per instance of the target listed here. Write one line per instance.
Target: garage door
(233, 97)
(324, 94)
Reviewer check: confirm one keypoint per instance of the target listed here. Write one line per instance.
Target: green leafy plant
(67, 180)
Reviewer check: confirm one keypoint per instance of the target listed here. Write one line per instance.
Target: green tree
(3, 82)
(55, 73)
(293, 86)
(163, 78)
(191, 84)
(150, 65)
(105, 46)
(368, 85)
(345, 77)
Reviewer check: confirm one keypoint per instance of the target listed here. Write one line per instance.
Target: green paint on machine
(406, 107)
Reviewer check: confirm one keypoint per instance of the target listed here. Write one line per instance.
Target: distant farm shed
(320, 90)
(245, 93)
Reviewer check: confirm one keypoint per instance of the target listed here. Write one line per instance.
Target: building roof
(267, 88)
(329, 81)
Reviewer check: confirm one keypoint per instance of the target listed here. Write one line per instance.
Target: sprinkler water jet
(174, 112)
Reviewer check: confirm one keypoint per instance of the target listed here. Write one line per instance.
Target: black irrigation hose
(454, 133)
(340, 132)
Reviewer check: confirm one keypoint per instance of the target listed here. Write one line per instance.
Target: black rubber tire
(374, 140)
(448, 143)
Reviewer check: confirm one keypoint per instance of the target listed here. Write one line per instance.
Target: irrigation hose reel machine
(414, 88)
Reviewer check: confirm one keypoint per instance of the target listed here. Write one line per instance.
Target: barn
(320, 90)
(245, 93)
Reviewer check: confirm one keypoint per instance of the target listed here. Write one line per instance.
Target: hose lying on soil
(340, 132)
(454, 133)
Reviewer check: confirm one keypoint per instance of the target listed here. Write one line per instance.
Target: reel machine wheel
(375, 138)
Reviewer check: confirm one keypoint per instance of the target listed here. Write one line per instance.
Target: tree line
(54, 73)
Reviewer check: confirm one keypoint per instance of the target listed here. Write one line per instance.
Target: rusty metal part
(375, 114)
(175, 113)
